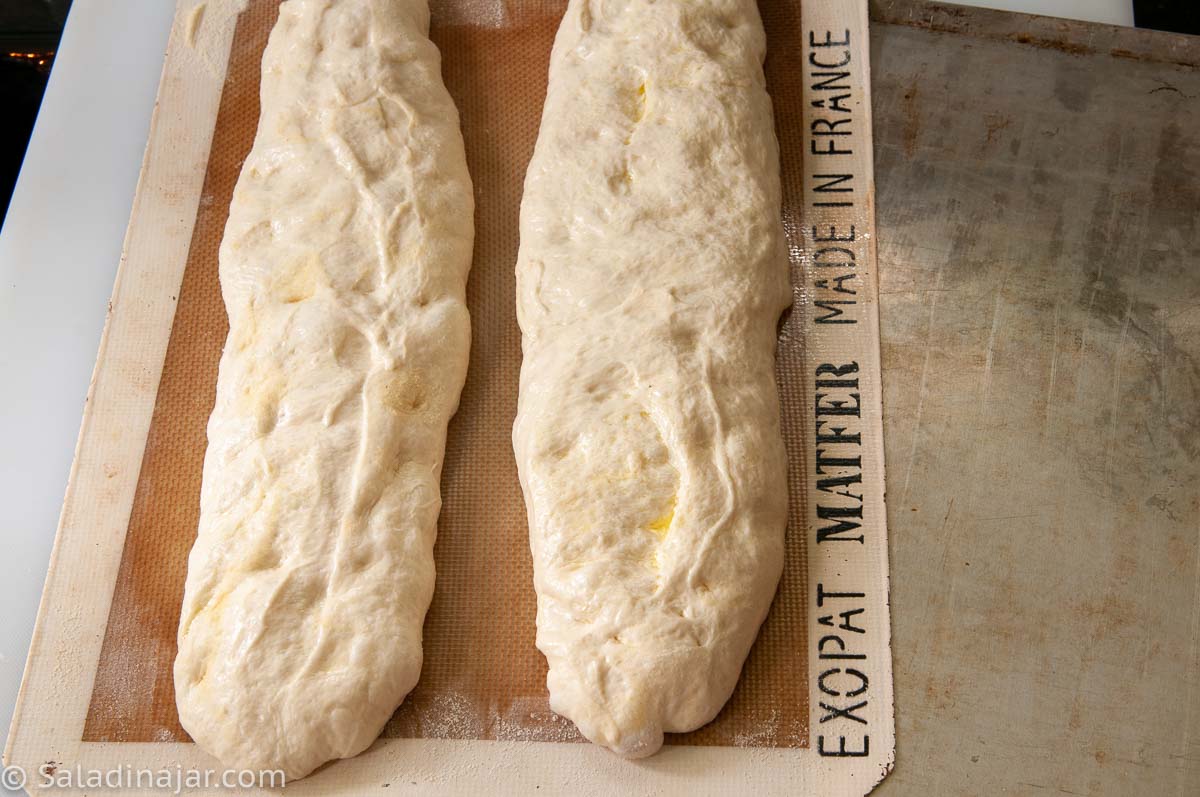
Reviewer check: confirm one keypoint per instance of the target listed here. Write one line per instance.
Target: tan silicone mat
(483, 678)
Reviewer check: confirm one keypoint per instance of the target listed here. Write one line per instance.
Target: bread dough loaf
(343, 270)
(651, 276)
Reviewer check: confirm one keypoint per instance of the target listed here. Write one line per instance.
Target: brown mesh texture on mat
(483, 678)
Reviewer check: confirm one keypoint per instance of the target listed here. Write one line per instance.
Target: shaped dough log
(343, 270)
(651, 276)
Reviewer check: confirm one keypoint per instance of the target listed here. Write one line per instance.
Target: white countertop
(59, 250)
(1112, 12)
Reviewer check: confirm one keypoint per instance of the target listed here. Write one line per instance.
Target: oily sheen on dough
(651, 276)
(343, 270)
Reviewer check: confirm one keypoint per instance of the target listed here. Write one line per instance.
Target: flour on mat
(470, 13)
(761, 735)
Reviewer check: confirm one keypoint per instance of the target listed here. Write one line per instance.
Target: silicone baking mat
(483, 678)
(813, 706)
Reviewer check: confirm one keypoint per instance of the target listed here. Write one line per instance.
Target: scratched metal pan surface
(1038, 186)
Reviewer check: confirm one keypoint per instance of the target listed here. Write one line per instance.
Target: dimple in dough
(343, 270)
(651, 276)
